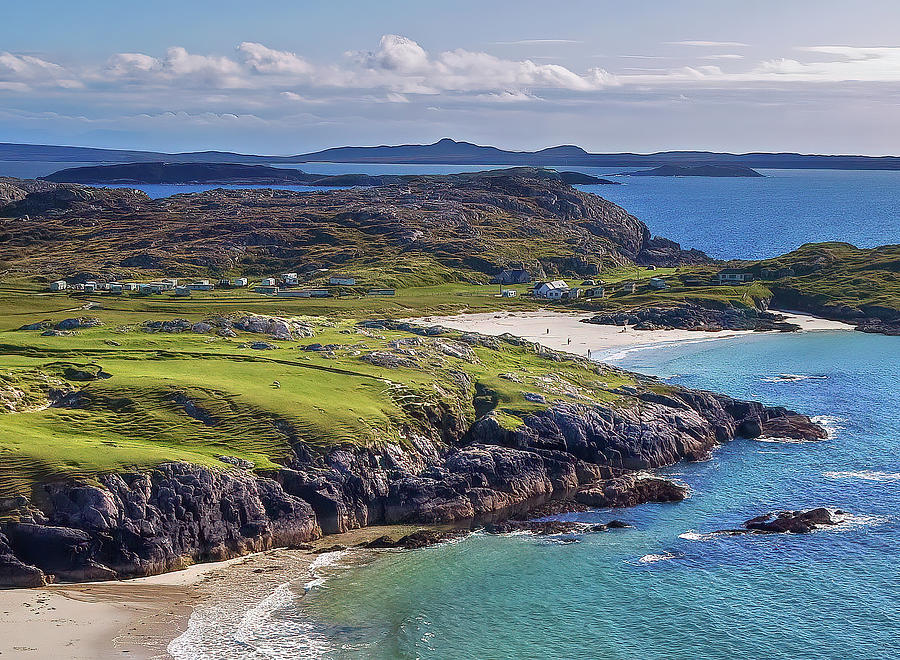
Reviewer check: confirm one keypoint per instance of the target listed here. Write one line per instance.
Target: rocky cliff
(131, 524)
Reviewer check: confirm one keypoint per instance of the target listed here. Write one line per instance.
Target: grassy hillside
(839, 274)
(194, 397)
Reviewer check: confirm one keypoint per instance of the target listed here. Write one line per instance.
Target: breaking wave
(791, 378)
(865, 475)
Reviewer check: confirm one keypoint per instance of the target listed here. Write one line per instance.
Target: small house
(290, 279)
(571, 294)
(342, 280)
(78, 287)
(268, 289)
(589, 283)
(240, 282)
(115, 288)
(269, 281)
(508, 293)
(58, 285)
(594, 292)
(550, 290)
(170, 281)
(131, 286)
(692, 281)
(628, 287)
(651, 267)
(90, 287)
(182, 291)
(512, 276)
(734, 276)
(200, 285)
(381, 292)
(658, 283)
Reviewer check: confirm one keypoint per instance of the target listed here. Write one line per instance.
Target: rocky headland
(702, 318)
(449, 470)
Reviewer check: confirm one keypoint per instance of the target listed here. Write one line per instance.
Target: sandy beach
(139, 618)
(565, 331)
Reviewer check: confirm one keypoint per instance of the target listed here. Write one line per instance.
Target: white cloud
(508, 97)
(20, 72)
(400, 70)
(262, 59)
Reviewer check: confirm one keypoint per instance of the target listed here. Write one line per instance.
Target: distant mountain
(712, 169)
(447, 151)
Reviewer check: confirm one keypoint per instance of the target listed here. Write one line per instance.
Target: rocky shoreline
(866, 318)
(690, 316)
(143, 523)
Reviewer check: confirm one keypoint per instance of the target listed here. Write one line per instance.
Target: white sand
(98, 620)
(139, 618)
(564, 331)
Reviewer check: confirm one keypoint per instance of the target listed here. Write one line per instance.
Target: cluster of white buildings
(161, 286)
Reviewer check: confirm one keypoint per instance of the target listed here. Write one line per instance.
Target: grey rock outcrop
(162, 519)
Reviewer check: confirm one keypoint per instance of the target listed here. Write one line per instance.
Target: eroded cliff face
(127, 525)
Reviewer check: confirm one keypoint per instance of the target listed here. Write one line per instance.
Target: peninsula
(158, 411)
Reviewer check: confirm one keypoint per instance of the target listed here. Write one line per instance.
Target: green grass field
(136, 417)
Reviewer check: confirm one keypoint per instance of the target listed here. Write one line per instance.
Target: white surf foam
(831, 423)
(654, 558)
(782, 441)
(694, 535)
(791, 378)
(269, 629)
(865, 475)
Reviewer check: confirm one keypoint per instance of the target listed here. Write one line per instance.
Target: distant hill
(448, 151)
(712, 169)
(430, 230)
(235, 173)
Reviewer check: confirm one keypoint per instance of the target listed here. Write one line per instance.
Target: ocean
(670, 587)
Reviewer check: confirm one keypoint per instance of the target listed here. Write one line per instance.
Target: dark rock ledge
(142, 523)
(793, 522)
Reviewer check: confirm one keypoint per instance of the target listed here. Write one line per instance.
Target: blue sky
(286, 77)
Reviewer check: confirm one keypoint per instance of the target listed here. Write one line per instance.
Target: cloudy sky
(288, 76)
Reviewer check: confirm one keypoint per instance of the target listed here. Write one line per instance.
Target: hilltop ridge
(449, 151)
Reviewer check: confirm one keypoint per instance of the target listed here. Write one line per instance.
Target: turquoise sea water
(669, 588)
